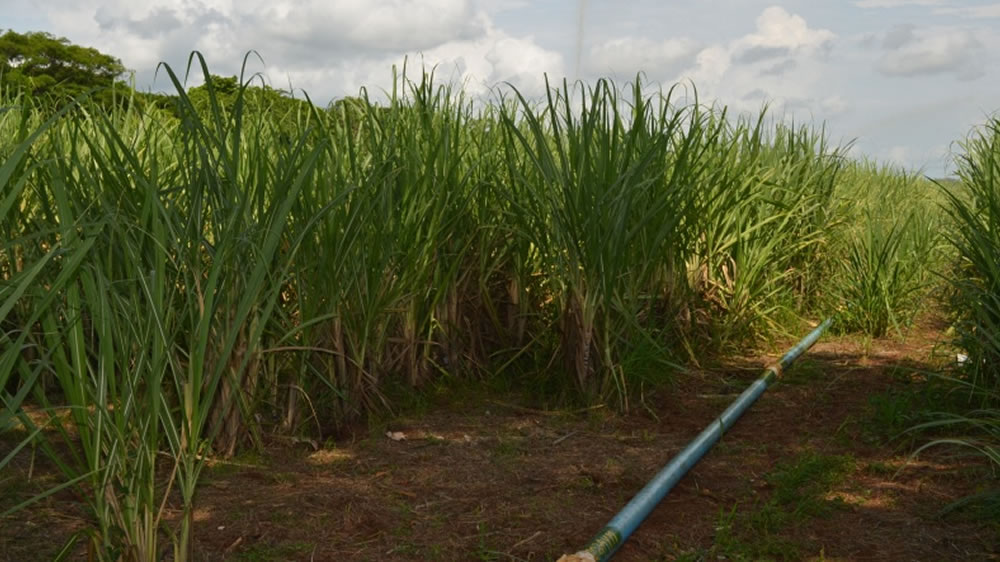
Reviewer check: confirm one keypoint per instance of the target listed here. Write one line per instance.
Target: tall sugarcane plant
(591, 193)
(155, 341)
(974, 206)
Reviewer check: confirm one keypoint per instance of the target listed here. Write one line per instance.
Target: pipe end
(774, 371)
(582, 556)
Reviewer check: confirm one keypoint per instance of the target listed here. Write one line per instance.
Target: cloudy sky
(903, 78)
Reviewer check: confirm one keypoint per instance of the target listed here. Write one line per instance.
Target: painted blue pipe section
(621, 527)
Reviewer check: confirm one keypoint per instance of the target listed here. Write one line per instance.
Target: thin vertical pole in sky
(580, 13)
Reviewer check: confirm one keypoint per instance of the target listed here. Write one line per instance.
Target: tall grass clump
(593, 197)
(659, 225)
(153, 342)
(25, 257)
(766, 210)
(974, 207)
(890, 239)
(389, 288)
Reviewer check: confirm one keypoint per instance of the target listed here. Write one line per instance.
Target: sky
(901, 80)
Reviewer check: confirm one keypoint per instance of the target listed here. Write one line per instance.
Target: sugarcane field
(550, 318)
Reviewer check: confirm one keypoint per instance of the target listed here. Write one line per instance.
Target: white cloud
(834, 105)
(778, 29)
(779, 55)
(917, 158)
(899, 155)
(477, 64)
(780, 68)
(498, 6)
(327, 47)
(376, 25)
(630, 55)
(914, 52)
(973, 12)
(899, 36)
(781, 45)
(711, 66)
(781, 62)
(897, 3)
(497, 57)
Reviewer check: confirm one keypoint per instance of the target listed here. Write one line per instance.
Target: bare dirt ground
(808, 473)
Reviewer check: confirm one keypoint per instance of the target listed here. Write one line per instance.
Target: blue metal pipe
(621, 527)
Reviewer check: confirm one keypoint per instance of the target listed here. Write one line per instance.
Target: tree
(286, 113)
(42, 64)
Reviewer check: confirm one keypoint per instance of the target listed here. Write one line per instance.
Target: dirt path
(806, 474)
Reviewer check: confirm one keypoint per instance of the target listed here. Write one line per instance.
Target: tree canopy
(41, 64)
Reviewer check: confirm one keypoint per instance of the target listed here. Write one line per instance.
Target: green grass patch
(800, 489)
(891, 413)
(276, 552)
(508, 447)
(804, 371)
